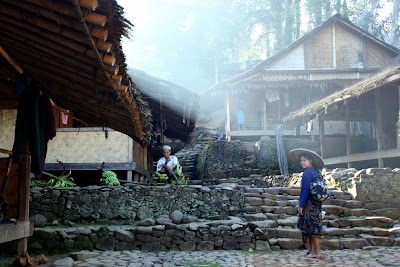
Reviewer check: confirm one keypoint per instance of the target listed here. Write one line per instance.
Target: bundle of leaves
(178, 178)
(109, 178)
(63, 180)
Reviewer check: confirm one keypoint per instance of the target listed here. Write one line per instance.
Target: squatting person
(167, 163)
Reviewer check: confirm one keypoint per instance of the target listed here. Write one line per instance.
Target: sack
(318, 189)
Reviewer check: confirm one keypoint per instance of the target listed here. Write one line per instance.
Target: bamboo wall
(89, 147)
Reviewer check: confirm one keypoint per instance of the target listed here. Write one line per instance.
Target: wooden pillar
(24, 196)
(228, 115)
(378, 123)
(322, 136)
(348, 137)
(264, 126)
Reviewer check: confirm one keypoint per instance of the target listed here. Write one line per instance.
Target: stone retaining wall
(221, 159)
(124, 205)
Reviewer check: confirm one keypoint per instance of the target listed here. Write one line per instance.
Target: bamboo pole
(64, 8)
(51, 37)
(41, 23)
(97, 32)
(89, 4)
(11, 61)
(113, 70)
(116, 79)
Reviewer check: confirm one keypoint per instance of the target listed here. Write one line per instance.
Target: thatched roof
(259, 68)
(179, 105)
(72, 49)
(389, 74)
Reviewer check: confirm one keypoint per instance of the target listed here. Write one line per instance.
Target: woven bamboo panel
(7, 129)
(337, 75)
(349, 49)
(292, 61)
(88, 147)
(319, 50)
(376, 57)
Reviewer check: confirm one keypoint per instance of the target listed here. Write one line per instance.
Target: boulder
(144, 212)
(332, 209)
(176, 216)
(205, 245)
(262, 245)
(288, 243)
(154, 246)
(382, 222)
(66, 262)
(333, 231)
(189, 219)
(146, 222)
(124, 236)
(392, 213)
(106, 243)
(354, 243)
(188, 246)
(253, 201)
(378, 240)
(83, 255)
(38, 220)
(263, 224)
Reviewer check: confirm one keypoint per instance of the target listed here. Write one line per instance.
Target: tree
(395, 32)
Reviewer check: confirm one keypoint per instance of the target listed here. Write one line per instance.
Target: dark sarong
(310, 224)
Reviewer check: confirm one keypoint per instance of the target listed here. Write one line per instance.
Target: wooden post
(228, 116)
(378, 123)
(23, 210)
(265, 115)
(348, 137)
(333, 46)
(322, 136)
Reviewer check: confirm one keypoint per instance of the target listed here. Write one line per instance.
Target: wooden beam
(11, 61)
(23, 210)
(322, 136)
(388, 153)
(129, 166)
(378, 124)
(348, 137)
(10, 232)
(227, 115)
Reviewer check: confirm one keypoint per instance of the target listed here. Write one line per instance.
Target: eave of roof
(85, 73)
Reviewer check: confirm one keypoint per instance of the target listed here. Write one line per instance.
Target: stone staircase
(272, 215)
(188, 157)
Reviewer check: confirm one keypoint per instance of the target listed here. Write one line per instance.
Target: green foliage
(161, 178)
(56, 181)
(109, 178)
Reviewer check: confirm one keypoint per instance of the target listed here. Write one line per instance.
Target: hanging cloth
(64, 117)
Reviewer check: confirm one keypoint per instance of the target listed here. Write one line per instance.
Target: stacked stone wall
(124, 205)
(221, 160)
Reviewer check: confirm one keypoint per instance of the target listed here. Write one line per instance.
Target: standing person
(168, 163)
(310, 213)
(222, 137)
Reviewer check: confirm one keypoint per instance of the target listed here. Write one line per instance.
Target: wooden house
(329, 58)
(374, 101)
(173, 107)
(72, 51)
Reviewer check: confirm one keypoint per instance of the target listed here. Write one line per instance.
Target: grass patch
(374, 257)
(202, 264)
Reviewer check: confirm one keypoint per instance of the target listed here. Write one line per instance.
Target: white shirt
(173, 160)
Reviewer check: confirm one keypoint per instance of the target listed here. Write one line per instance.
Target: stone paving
(369, 256)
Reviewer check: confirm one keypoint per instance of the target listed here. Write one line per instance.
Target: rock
(329, 243)
(287, 243)
(205, 245)
(236, 226)
(106, 243)
(392, 213)
(253, 201)
(189, 219)
(144, 230)
(263, 224)
(262, 245)
(360, 212)
(375, 205)
(288, 233)
(66, 262)
(38, 220)
(163, 220)
(375, 170)
(44, 233)
(176, 216)
(353, 204)
(378, 240)
(287, 222)
(193, 226)
(380, 232)
(146, 222)
(188, 246)
(124, 236)
(353, 243)
(255, 217)
(154, 246)
(333, 231)
(144, 212)
(36, 245)
(83, 255)
(124, 246)
(231, 245)
(381, 222)
(332, 209)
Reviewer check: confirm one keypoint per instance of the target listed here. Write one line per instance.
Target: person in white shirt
(167, 163)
